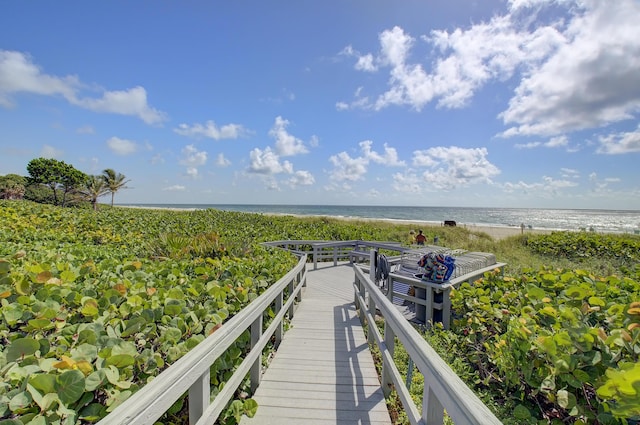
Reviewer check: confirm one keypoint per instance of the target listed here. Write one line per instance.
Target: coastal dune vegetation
(94, 304)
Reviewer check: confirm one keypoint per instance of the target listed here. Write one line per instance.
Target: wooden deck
(323, 372)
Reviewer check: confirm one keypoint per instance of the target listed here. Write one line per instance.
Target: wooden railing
(191, 372)
(322, 251)
(443, 389)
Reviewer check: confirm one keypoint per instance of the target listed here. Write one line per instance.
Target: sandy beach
(501, 232)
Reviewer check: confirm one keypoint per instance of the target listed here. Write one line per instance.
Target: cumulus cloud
(221, 161)
(19, 74)
(573, 72)
(301, 178)
(122, 147)
(590, 80)
(620, 143)
(451, 167)
(268, 162)
(547, 187)
(211, 131)
(353, 169)
(192, 158)
(285, 143)
(124, 102)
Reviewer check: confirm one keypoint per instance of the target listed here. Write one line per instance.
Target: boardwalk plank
(323, 372)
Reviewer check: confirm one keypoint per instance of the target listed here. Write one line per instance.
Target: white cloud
(352, 169)
(212, 131)
(590, 80)
(575, 71)
(347, 168)
(121, 146)
(451, 167)
(124, 102)
(301, 178)
(408, 182)
(221, 161)
(174, 188)
(268, 162)
(390, 157)
(554, 142)
(50, 152)
(19, 74)
(570, 173)
(192, 158)
(620, 143)
(286, 144)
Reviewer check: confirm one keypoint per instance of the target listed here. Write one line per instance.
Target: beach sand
(501, 232)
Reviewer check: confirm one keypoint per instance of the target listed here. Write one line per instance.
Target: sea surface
(608, 221)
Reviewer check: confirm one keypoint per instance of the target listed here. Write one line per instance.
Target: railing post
(315, 257)
(390, 343)
(280, 330)
(199, 394)
(372, 311)
(446, 308)
(291, 287)
(428, 313)
(256, 333)
(432, 410)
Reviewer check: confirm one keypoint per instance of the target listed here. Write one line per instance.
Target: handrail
(335, 250)
(191, 372)
(443, 389)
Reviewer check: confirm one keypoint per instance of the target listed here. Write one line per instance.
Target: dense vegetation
(95, 303)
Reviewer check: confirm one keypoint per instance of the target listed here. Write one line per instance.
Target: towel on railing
(437, 267)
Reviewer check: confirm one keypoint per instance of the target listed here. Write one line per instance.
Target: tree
(12, 186)
(94, 188)
(57, 175)
(114, 181)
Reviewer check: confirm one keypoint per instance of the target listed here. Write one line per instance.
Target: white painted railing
(191, 372)
(335, 251)
(443, 389)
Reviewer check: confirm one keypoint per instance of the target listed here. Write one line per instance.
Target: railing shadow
(357, 390)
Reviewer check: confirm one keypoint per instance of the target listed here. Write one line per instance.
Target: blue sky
(519, 103)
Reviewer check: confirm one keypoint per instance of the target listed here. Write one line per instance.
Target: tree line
(56, 182)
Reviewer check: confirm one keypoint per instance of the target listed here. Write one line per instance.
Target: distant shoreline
(496, 232)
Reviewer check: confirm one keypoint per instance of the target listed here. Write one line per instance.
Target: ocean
(607, 221)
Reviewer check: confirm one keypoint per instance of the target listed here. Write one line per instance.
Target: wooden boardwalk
(323, 372)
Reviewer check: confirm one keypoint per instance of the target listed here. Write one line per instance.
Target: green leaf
(250, 407)
(521, 412)
(20, 401)
(44, 382)
(12, 313)
(120, 361)
(70, 386)
(562, 398)
(22, 347)
(95, 380)
(92, 412)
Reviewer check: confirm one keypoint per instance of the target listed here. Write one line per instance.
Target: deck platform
(323, 372)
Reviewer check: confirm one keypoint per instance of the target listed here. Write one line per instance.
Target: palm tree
(94, 189)
(114, 181)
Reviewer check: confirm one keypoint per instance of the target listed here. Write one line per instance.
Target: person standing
(420, 238)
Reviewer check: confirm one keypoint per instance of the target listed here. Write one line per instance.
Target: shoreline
(496, 232)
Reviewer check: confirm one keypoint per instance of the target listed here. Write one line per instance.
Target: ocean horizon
(599, 220)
